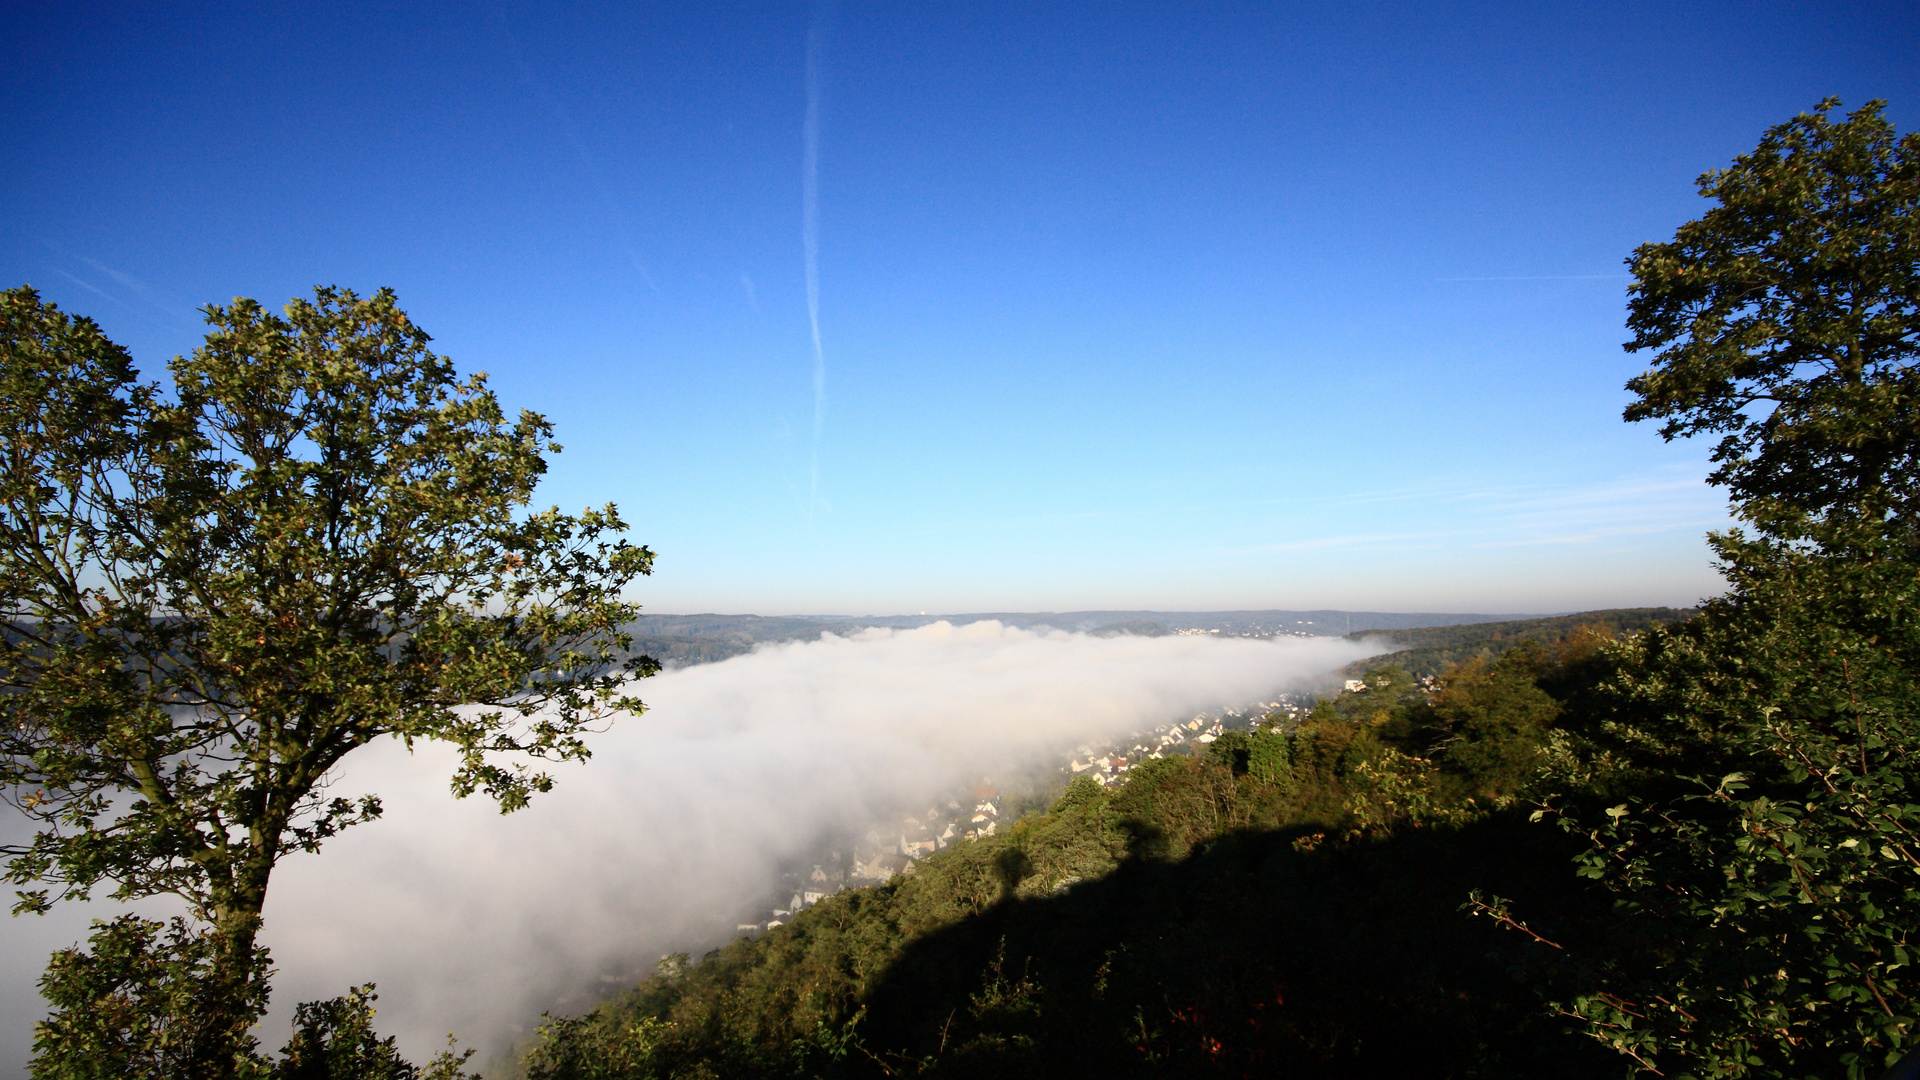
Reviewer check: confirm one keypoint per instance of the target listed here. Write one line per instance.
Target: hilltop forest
(1432, 651)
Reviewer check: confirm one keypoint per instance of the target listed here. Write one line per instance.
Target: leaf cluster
(1757, 822)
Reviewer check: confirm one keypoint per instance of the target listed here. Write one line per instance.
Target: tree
(130, 1008)
(334, 1040)
(1762, 847)
(1787, 320)
(1488, 723)
(1758, 821)
(213, 596)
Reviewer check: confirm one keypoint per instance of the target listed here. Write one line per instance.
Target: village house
(879, 867)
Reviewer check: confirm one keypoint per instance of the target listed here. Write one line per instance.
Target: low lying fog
(474, 922)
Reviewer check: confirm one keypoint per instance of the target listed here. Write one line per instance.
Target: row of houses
(1108, 764)
(886, 852)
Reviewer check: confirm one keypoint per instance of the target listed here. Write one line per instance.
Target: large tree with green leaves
(1759, 818)
(215, 592)
(1786, 320)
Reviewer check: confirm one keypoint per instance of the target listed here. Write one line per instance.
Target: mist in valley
(474, 923)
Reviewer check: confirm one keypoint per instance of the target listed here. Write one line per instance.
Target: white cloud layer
(474, 922)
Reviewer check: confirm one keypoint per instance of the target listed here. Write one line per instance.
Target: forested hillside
(1263, 907)
(1431, 650)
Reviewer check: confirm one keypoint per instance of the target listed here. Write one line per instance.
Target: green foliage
(579, 1049)
(1081, 791)
(1491, 723)
(1787, 321)
(135, 1006)
(335, 1040)
(1393, 789)
(1212, 913)
(1759, 832)
(1744, 781)
(1387, 692)
(1270, 759)
(212, 598)
(1434, 650)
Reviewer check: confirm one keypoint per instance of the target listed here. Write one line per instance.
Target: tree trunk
(233, 993)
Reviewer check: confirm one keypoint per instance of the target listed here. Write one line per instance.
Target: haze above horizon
(992, 308)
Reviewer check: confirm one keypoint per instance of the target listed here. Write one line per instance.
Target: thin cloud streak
(143, 294)
(1362, 541)
(1526, 516)
(1541, 277)
(1677, 502)
(102, 293)
(810, 243)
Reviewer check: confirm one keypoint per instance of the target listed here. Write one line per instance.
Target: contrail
(810, 241)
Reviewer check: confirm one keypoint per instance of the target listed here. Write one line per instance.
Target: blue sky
(1119, 305)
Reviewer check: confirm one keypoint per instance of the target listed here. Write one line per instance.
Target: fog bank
(474, 922)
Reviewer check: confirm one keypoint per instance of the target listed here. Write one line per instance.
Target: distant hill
(1432, 649)
(678, 640)
(1326, 622)
(1137, 628)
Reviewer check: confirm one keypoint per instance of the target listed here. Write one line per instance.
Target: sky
(870, 309)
